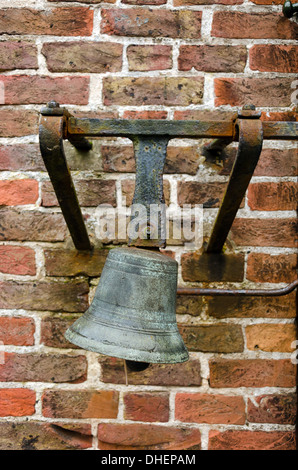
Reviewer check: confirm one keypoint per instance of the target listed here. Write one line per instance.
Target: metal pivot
(250, 132)
(148, 218)
(289, 9)
(51, 133)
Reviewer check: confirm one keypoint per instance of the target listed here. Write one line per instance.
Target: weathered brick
(277, 162)
(252, 307)
(18, 192)
(36, 367)
(263, 267)
(31, 225)
(72, 263)
(19, 157)
(257, 91)
(207, 194)
(147, 436)
(145, 114)
(18, 331)
(271, 337)
(80, 404)
(143, 58)
(275, 409)
(209, 58)
(178, 3)
(53, 328)
(76, 21)
(17, 402)
(208, 267)
(167, 91)
(280, 196)
(37, 89)
(221, 338)
(83, 56)
(18, 122)
(233, 373)
(210, 409)
(189, 304)
(70, 296)
(236, 24)
(146, 406)
(274, 58)
(264, 232)
(186, 374)
(91, 193)
(144, 2)
(252, 440)
(151, 23)
(34, 435)
(120, 158)
(17, 55)
(128, 189)
(18, 260)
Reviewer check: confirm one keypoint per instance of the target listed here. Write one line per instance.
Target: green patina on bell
(133, 313)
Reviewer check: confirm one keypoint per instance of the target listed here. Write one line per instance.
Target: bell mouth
(132, 345)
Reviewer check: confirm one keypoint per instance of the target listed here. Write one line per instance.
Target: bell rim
(122, 352)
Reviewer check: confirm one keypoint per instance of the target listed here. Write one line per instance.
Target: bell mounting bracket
(150, 139)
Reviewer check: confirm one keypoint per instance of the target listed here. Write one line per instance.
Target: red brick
(264, 232)
(263, 267)
(31, 226)
(143, 58)
(186, 374)
(222, 338)
(147, 407)
(67, 296)
(17, 402)
(208, 267)
(234, 373)
(166, 91)
(271, 337)
(209, 409)
(212, 58)
(252, 307)
(280, 196)
(83, 56)
(35, 367)
(151, 23)
(240, 25)
(277, 162)
(17, 55)
(178, 3)
(147, 114)
(252, 440)
(35, 435)
(18, 192)
(18, 122)
(76, 21)
(36, 89)
(189, 305)
(18, 260)
(18, 331)
(275, 409)
(19, 157)
(274, 58)
(80, 404)
(144, 2)
(147, 436)
(257, 91)
(53, 328)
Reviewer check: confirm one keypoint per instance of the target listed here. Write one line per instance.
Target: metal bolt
(249, 106)
(53, 104)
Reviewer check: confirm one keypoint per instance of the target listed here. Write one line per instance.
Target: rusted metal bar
(51, 131)
(272, 130)
(241, 292)
(249, 150)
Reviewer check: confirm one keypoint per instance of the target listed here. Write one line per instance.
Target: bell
(133, 313)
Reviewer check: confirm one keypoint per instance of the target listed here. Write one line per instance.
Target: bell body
(133, 313)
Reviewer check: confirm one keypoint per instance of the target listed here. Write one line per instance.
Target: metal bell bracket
(150, 139)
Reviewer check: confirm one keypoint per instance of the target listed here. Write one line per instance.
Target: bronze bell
(133, 313)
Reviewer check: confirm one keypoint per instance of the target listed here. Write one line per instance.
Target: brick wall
(175, 59)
